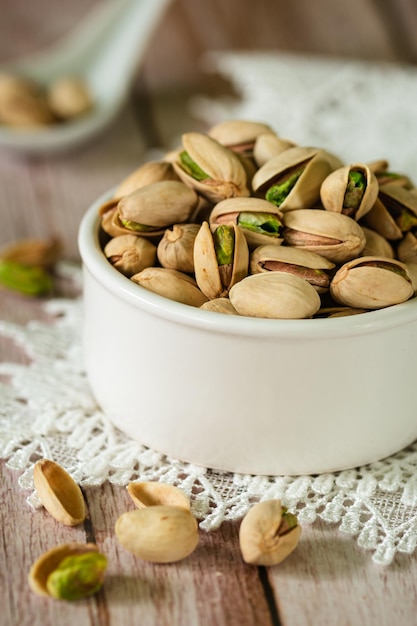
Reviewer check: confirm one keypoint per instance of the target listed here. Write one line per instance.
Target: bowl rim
(95, 262)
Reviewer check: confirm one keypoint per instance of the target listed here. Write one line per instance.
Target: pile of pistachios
(244, 222)
(25, 103)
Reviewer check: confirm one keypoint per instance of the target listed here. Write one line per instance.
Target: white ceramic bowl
(241, 394)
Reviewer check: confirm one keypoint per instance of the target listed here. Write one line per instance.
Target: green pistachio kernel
(29, 280)
(264, 223)
(141, 228)
(289, 521)
(77, 576)
(278, 193)
(354, 190)
(191, 167)
(406, 220)
(224, 244)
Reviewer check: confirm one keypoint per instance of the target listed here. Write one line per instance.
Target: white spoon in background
(105, 49)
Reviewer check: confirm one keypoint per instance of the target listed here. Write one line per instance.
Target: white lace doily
(361, 111)
(47, 410)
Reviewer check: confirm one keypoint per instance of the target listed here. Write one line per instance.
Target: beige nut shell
(59, 493)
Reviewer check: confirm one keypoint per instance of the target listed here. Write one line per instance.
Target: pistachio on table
(59, 493)
(155, 493)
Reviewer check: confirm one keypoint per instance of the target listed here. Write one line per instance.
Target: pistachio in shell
(239, 135)
(371, 283)
(376, 244)
(407, 248)
(130, 254)
(221, 259)
(334, 236)
(351, 190)
(210, 168)
(220, 305)
(401, 203)
(275, 295)
(268, 145)
(170, 284)
(312, 267)
(381, 221)
(146, 174)
(259, 220)
(176, 248)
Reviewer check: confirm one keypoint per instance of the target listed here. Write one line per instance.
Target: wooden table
(328, 580)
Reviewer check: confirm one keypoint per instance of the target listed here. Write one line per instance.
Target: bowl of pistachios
(250, 304)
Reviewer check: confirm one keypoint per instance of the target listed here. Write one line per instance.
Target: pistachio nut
(160, 533)
(371, 283)
(110, 222)
(268, 145)
(292, 179)
(412, 272)
(312, 267)
(170, 284)
(401, 203)
(176, 248)
(220, 305)
(154, 493)
(33, 252)
(22, 103)
(384, 176)
(130, 254)
(146, 174)
(25, 279)
(381, 221)
(275, 295)
(150, 210)
(407, 248)
(68, 572)
(334, 236)
(268, 533)
(69, 97)
(376, 244)
(351, 190)
(221, 259)
(259, 220)
(59, 493)
(239, 135)
(213, 170)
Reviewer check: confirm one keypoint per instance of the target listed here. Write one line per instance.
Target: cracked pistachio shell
(49, 561)
(335, 236)
(220, 305)
(238, 135)
(268, 145)
(130, 254)
(401, 203)
(371, 283)
(381, 221)
(170, 284)
(159, 534)
(315, 165)
(227, 211)
(376, 244)
(333, 189)
(407, 248)
(227, 176)
(154, 493)
(275, 295)
(110, 221)
(176, 248)
(59, 493)
(206, 267)
(147, 174)
(307, 265)
(158, 205)
(268, 534)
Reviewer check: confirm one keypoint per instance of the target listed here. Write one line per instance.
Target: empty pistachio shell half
(160, 534)
(337, 237)
(351, 190)
(59, 493)
(371, 283)
(275, 295)
(170, 284)
(154, 493)
(130, 254)
(68, 572)
(268, 534)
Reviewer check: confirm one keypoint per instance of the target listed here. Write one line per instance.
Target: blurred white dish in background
(105, 50)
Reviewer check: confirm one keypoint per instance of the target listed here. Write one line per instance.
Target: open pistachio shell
(336, 193)
(335, 236)
(401, 203)
(208, 273)
(376, 244)
(310, 165)
(222, 172)
(268, 145)
(170, 284)
(153, 493)
(59, 493)
(233, 210)
(371, 283)
(275, 295)
(311, 267)
(238, 135)
(381, 221)
(407, 248)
